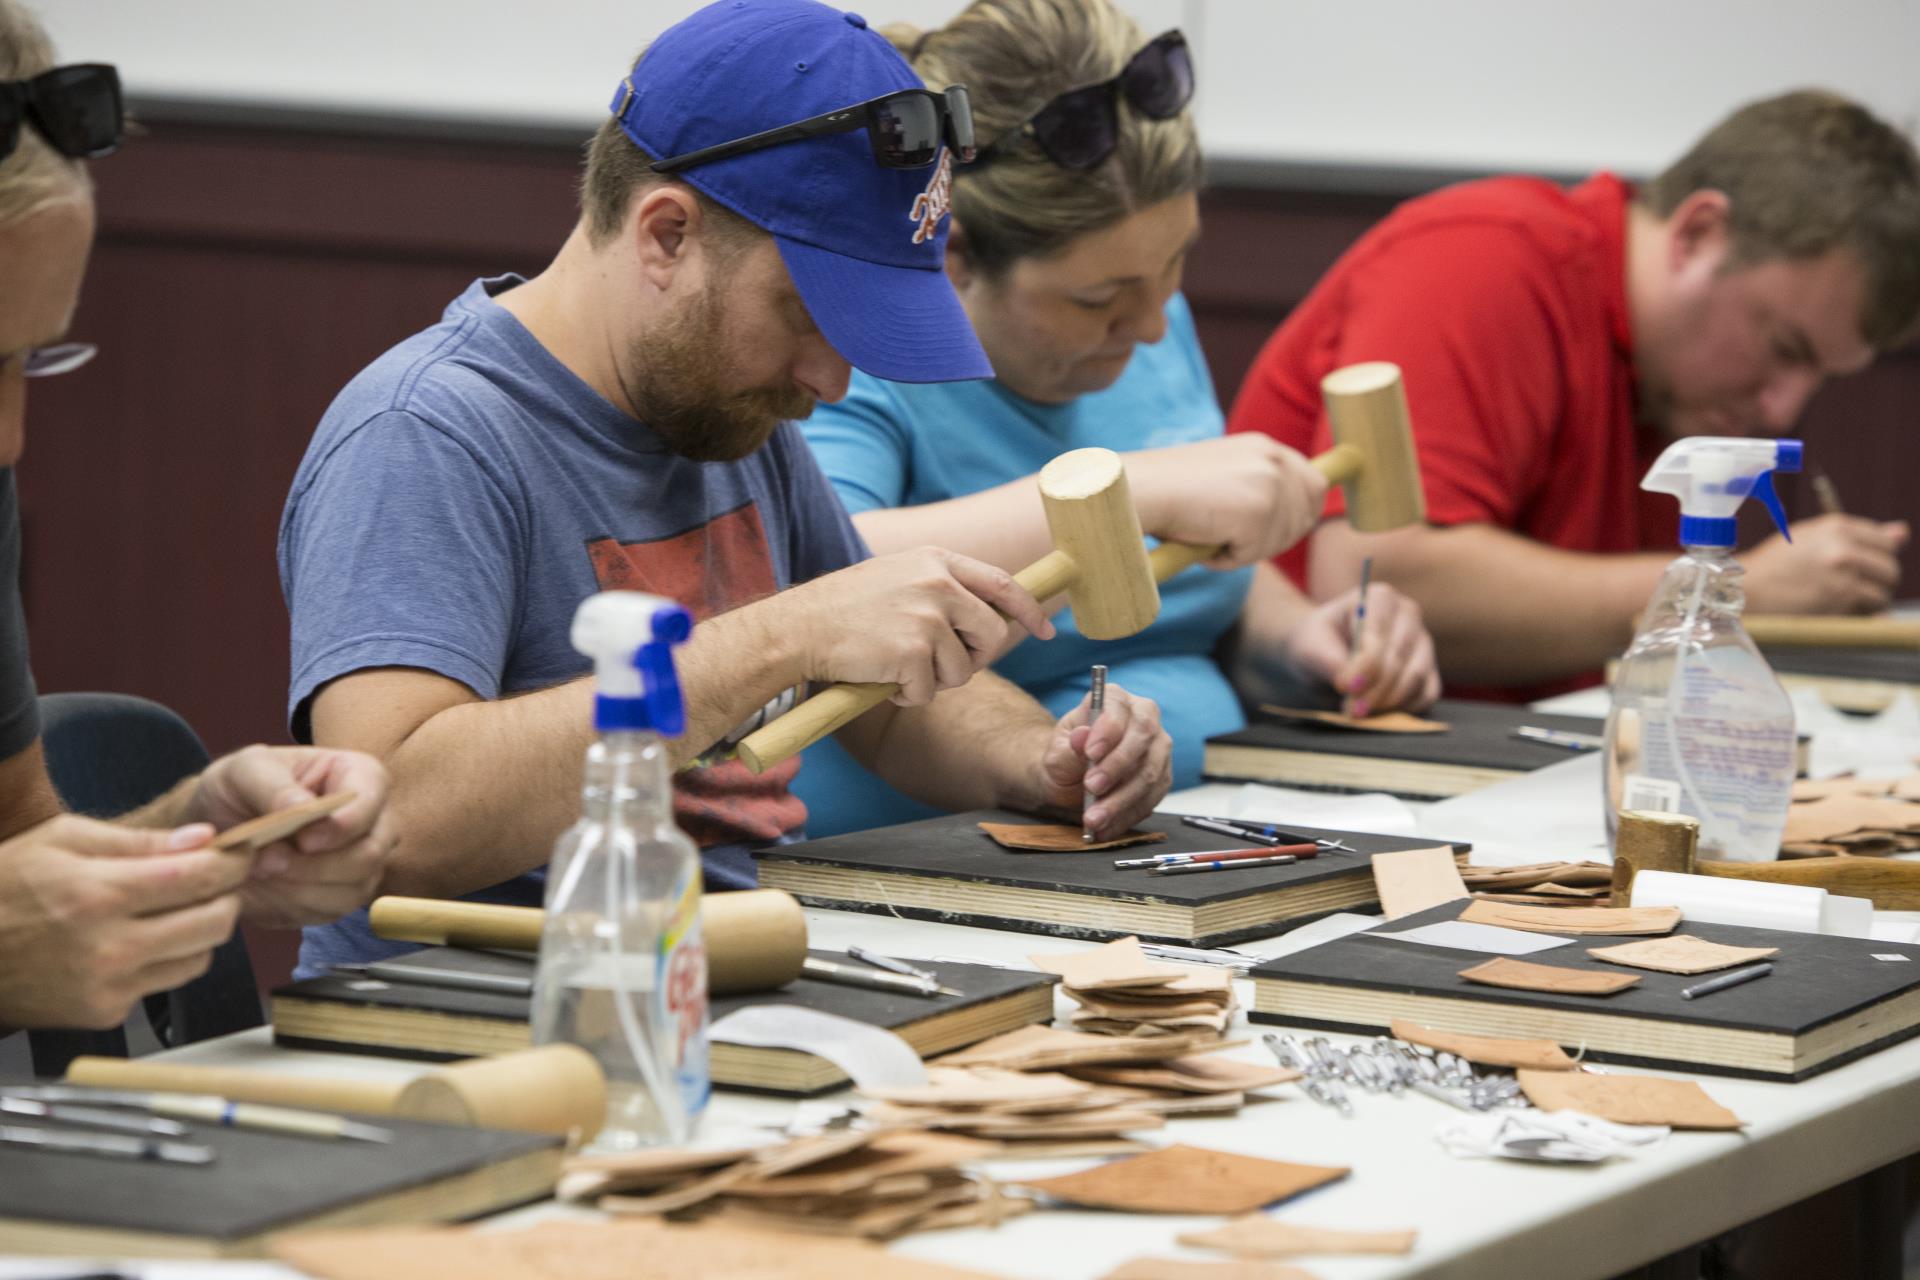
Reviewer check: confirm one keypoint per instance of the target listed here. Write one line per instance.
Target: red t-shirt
(1504, 304)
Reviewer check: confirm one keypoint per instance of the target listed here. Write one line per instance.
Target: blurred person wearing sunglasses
(765, 210)
(1070, 232)
(95, 915)
(1555, 339)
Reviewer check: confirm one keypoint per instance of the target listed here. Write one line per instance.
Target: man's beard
(676, 382)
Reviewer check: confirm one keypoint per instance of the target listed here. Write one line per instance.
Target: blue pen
(1189, 868)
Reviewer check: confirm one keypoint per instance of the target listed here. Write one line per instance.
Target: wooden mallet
(1100, 559)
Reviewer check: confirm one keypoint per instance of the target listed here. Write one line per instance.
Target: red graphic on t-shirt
(718, 566)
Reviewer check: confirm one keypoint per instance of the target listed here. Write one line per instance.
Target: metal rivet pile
(1387, 1065)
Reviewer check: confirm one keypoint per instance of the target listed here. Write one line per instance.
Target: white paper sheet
(1373, 811)
(872, 1056)
(1551, 813)
(1461, 935)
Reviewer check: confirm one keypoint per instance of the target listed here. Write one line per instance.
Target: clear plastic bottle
(1699, 724)
(622, 970)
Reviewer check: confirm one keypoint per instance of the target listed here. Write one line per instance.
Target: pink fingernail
(1356, 684)
(272, 863)
(191, 836)
(1360, 710)
(1096, 782)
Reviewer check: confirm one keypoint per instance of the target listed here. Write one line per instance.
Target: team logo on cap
(932, 204)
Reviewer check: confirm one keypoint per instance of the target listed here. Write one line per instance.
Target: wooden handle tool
(1783, 631)
(1891, 884)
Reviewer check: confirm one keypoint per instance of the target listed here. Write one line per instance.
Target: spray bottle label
(1727, 767)
(683, 991)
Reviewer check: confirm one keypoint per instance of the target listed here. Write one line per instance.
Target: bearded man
(761, 211)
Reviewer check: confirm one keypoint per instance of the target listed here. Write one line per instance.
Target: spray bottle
(1699, 724)
(622, 971)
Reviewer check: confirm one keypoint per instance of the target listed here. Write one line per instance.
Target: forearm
(1254, 654)
(1004, 526)
(27, 797)
(482, 789)
(975, 747)
(1503, 609)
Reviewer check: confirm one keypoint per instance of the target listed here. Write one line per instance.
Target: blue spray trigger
(659, 682)
(1763, 490)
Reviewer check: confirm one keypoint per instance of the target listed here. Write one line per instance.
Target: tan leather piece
(1838, 816)
(981, 1087)
(1120, 963)
(1205, 1074)
(597, 1251)
(1183, 1179)
(1415, 880)
(1216, 1022)
(1682, 953)
(1488, 1051)
(1385, 722)
(1258, 1236)
(1533, 875)
(1524, 975)
(1106, 1005)
(258, 833)
(1058, 837)
(1038, 1048)
(1197, 1269)
(1627, 1099)
(1805, 789)
(1574, 919)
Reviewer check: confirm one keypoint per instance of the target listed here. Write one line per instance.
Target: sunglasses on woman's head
(1081, 127)
(77, 109)
(905, 129)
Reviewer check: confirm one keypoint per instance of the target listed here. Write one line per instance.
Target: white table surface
(1476, 1218)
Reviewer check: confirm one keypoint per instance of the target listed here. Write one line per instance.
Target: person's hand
(324, 870)
(1835, 564)
(1245, 492)
(1122, 766)
(94, 915)
(1394, 668)
(924, 620)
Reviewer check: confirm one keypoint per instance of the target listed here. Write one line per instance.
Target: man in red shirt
(1553, 340)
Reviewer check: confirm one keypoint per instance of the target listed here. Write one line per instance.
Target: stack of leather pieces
(868, 1183)
(1120, 991)
(1539, 884)
(1858, 816)
(1017, 1114)
(1167, 1075)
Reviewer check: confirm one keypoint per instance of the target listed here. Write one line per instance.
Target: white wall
(1536, 84)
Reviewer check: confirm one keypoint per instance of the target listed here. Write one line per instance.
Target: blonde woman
(1069, 235)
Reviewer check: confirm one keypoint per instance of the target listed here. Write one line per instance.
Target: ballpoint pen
(1221, 827)
(92, 1117)
(1262, 833)
(891, 965)
(1220, 864)
(214, 1110)
(1559, 738)
(1295, 851)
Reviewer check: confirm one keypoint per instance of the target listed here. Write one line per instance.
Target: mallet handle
(1339, 464)
(841, 704)
(1893, 886)
(1783, 630)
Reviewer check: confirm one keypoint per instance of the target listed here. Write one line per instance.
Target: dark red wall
(242, 275)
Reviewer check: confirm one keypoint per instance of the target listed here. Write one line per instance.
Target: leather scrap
(1415, 880)
(1574, 919)
(1385, 722)
(1183, 1179)
(596, 1251)
(981, 1087)
(1680, 1104)
(1042, 1048)
(1258, 1236)
(1058, 837)
(1198, 1269)
(1208, 1073)
(1525, 975)
(1682, 953)
(1120, 963)
(1843, 815)
(1488, 1051)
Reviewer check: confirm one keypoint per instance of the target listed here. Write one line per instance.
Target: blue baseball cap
(866, 246)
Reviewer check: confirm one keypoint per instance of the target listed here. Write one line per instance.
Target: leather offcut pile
(1540, 884)
(1123, 993)
(868, 1183)
(1858, 816)
(1019, 1113)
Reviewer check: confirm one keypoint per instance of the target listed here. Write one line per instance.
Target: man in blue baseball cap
(765, 207)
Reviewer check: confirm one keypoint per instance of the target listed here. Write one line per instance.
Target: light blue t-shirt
(891, 444)
(466, 492)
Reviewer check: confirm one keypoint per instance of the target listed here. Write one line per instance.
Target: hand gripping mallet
(1100, 558)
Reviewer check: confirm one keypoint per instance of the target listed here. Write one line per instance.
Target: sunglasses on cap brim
(905, 127)
(1080, 128)
(77, 109)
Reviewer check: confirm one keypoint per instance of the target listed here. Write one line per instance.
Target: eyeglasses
(48, 362)
(905, 127)
(77, 109)
(1081, 127)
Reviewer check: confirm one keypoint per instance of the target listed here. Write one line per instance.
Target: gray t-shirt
(19, 708)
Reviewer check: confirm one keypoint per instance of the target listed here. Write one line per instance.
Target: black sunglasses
(77, 109)
(1081, 127)
(905, 128)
